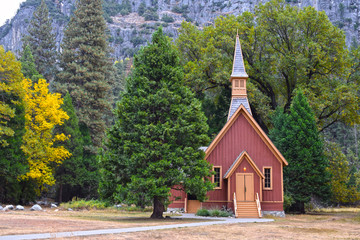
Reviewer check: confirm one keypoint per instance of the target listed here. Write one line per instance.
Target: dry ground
(323, 225)
(49, 221)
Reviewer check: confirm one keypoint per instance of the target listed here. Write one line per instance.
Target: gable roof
(238, 69)
(243, 155)
(235, 104)
(242, 111)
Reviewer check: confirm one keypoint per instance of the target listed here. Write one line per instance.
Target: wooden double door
(245, 187)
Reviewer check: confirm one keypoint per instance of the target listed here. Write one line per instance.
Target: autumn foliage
(42, 114)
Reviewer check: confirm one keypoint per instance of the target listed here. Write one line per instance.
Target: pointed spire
(238, 81)
(238, 63)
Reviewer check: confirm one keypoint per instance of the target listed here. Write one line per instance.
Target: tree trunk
(60, 193)
(356, 142)
(159, 208)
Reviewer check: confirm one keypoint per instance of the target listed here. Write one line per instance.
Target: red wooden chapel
(248, 167)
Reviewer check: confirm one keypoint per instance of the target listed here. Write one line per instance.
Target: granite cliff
(132, 22)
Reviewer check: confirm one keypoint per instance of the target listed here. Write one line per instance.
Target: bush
(225, 214)
(78, 204)
(288, 201)
(182, 9)
(137, 40)
(203, 212)
(151, 15)
(168, 19)
(133, 208)
(213, 213)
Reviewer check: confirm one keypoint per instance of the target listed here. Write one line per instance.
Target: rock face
(130, 31)
(19, 207)
(8, 207)
(36, 207)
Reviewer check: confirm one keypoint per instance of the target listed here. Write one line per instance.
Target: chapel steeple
(238, 81)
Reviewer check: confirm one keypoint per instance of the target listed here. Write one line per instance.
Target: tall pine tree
(86, 67)
(297, 137)
(154, 144)
(42, 42)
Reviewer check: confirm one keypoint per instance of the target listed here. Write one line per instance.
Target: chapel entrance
(245, 187)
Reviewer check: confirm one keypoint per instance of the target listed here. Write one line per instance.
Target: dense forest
(82, 124)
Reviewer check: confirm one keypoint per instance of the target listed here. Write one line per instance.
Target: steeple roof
(238, 63)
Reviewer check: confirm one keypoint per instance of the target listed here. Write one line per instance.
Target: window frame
(237, 83)
(220, 177)
(271, 178)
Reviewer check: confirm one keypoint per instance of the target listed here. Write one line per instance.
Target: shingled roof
(235, 104)
(238, 71)
(238, 63)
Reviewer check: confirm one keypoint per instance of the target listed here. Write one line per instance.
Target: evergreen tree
(154, 144)
(28, 67)
(297, 137)
(87, 70)
(77, 176)
(42, 42)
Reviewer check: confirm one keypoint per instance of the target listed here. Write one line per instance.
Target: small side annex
(248, 167)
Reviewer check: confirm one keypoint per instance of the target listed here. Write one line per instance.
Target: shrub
(214, 212)
(203, 212)
(137, 40)
(288, 201)
(182, 9)
(168, 19)
(133, 208)
(151, 15)
(78, 204)
(225, 214)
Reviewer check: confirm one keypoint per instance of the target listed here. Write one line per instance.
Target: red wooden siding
(241, 136)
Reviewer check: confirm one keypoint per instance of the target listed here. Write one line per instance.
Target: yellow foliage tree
(10, 91)
(42, 114)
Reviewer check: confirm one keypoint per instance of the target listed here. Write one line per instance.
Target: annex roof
(243, 155)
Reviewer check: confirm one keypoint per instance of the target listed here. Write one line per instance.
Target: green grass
(338, 210)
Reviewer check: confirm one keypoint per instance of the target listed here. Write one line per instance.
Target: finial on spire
(237, 32)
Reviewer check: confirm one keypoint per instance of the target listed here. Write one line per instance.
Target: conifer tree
(42, 42)
(154, 144)
(297, 137)
(28, 66)
(77, 175)
(86, 67)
